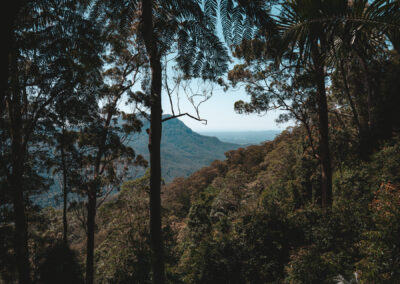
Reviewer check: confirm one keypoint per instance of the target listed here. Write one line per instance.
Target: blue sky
(220, 114)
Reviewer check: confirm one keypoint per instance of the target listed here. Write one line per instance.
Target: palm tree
(309, 30)
(303, 33)
(308, 40)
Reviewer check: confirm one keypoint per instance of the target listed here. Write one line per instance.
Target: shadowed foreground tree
(165, 27)
(9, 18)
(205, 50)
(37, 79)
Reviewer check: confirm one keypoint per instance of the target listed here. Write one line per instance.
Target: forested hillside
(253, 218)
(182, 150)
(83, 79)
(182, 153)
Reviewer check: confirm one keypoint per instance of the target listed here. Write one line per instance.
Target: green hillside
(182, 150)
(254, 218)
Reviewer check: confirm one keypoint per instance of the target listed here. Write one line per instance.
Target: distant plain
(243, 137)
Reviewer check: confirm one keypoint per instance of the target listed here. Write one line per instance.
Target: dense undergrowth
(253, 218)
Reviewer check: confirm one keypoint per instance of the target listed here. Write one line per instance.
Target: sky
(221, 116)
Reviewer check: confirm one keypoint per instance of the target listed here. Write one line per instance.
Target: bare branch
(187, 114)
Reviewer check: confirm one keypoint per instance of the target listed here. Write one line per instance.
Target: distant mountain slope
(182, 150)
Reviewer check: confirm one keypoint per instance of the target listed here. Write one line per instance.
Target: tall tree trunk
(65, 190)
(8, 15)
(154, 144)
(155, 176)
(16, 176)
(21, 230)
(326, 170)
(323, 128)
(91, 211)
(349, 97)
(362, 133)
(369, 136)
(92, 202)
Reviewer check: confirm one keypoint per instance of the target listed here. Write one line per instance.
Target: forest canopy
(318, 204)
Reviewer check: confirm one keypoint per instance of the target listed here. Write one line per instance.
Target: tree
(271, 88)
(79, 104)
(154, 52)
(105, 159)
(306, 43)
(9, 18)
(36, 82)
(313, 42)
(169, 26)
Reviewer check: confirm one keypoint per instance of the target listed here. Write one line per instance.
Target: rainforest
(102, 182)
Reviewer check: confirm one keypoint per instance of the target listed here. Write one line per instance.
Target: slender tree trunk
(21, 227)
(65, 192)
(21, 230)
(367, 82)
(16, 176)
(154, 144)
(362, 133)
(92, 203)
(326, 170)
(8, 16)
(349, 97)
(91, 211)
(323, 128)
(155, 178)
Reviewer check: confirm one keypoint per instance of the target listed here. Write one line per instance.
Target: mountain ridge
(183, 151)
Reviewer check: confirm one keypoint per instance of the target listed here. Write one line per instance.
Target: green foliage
(265, 240)
(380, 244)
(124, 252)
(252, 218)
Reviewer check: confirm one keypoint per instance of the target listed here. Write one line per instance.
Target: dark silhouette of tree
(78, 106)
(8, 17)
(164, 27)
(149, 37)
(185, 53)
(37, 78)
